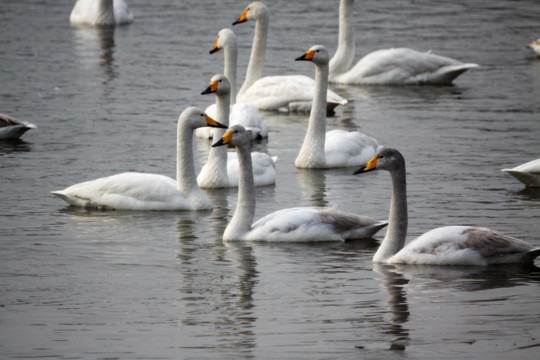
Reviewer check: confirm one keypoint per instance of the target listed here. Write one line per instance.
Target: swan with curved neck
(285, 92)
(141, 191)
(395, 66)
(221, 169)
(336, 148)
(448, 245)
(100, 13)
(294, 224)
(240, 113)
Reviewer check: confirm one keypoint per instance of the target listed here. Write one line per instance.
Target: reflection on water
(14, 145)
(313, 186)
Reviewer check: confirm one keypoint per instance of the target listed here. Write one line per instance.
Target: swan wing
(349, 148)
(122, 14)
(308, 224)
(11, 128)
(528, 173)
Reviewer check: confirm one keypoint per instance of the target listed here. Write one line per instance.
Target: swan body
(244, 113)
(11, 128)
(285, 92)
(214, 174)
(528, 173)
(535, 46)
(141, 191)
(448, 245)
(299, 224)
(395, 66)
(100, 12)
(336, 148)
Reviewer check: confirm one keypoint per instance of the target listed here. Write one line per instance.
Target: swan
(140, 191)
(336, 148)
(395, 66)
(285, 92)
(528, 173)
(240, 113)
(295, 224)
(535, 46)
(448, 245)
(214, 174)
(11, 128)
(100, 12)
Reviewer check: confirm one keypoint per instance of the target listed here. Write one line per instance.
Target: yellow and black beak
(308, 56)
(242, 18)
(212, 88)
(216, 48)
(213, 123)
(370, 166)
(225, 139)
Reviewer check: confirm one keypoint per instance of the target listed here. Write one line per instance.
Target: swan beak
(213, 123)
(371, 165)
(216, 48)
(308, 56)
(212, 88)
(225, 139)
(242, 18)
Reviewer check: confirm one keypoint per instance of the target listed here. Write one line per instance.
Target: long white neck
(256, 59)
(214, 172)
(397, 222)
(230, 60)
(242, 219)
(344, 56)
(105, 14)
(312, 152)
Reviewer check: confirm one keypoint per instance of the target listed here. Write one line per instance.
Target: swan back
(100, 13)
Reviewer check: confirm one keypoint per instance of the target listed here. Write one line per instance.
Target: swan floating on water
(141, 191)
(395, 66)
(222, 169)
(100, 13)
(448, 245)
(528, 173)
(336, 148)
(244, 114)
(299, 224)
(535, 46)
(285, 92)
(11, 128)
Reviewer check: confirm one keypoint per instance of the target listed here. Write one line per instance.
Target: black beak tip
(218, 143)
(300, 58)
(359, 171)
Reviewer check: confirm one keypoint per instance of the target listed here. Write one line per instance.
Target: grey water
(82, 284)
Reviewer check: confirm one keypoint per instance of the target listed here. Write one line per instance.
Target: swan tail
(533, 254)
(447, 74)
(529, 180)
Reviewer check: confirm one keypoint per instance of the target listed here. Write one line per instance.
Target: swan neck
(242, 219)
(344, 56)
(396, 234)
(258, 50)
(230, 64)
(185, 164)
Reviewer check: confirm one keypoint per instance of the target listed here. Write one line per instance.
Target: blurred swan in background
(100, 12)
(447, 245)
(300, 224)
(11, 128)
(528, 173)
(399, 66)
(535, 46)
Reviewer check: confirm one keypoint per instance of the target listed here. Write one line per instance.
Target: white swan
(287, 92)
(400, 66)
(11, 128)
(528, 173)
(448, 245)
(336, 148)
(140, 191)
(100, 12)
(214, 174)
(535, 46)
(241, 113)
(294, 224)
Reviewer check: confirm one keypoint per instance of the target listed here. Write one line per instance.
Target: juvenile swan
(399, 66)
(299, 224)
(100, 12)
(140, 191)
(284, 92)
(11, 128)
(448, 245)
(336, 148)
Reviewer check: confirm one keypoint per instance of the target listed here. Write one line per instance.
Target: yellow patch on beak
(216, 47)
(372, 164)
(227, 137)
(243, 17)
(211, 121)
(213, 86)
(309, 55)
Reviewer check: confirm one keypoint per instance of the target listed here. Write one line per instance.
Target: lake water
(80, 284)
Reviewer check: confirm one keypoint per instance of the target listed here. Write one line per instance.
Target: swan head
(253, 12)
(226, 37)
(219, 85)
(387, 159)
(237, 135)
(317, 54)
(197, 118)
